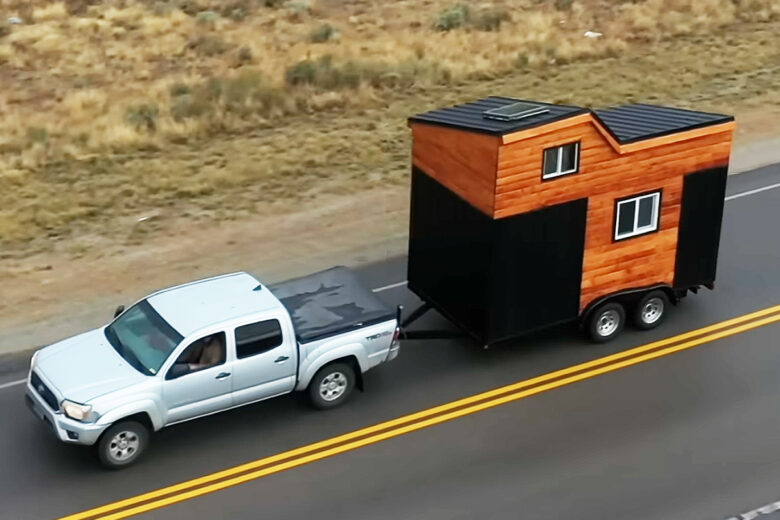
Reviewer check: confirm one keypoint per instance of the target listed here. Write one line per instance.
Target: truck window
(257, 338)
(206, 352)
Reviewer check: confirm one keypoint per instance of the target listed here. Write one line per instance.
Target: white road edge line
(387, 287)
(753, 192)
(13, 383)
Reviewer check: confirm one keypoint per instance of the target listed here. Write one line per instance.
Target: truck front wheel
(122, 444)
(331, 385)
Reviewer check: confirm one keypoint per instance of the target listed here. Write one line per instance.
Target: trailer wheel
(606, 322)
(650, 310)
(331, 385)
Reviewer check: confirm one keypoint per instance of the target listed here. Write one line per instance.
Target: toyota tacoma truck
(205, 347)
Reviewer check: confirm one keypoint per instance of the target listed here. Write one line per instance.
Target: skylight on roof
(515, 111)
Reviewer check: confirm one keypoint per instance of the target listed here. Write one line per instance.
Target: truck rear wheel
(606, 322)
(331, 385)
(122, 444)
(651, 309)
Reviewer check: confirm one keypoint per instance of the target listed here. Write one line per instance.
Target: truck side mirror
(119, 310)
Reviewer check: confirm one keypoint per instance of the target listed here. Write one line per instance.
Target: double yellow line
(417, 421)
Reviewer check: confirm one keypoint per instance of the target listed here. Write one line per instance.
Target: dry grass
(105, 108)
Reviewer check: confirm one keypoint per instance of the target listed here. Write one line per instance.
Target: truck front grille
(44, 392)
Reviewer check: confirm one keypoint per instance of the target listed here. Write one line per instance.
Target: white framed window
(561, 160)
(637, 215)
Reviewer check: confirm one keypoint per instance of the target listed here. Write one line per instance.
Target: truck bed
(328, 303)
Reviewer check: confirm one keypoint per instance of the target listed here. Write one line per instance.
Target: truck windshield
(143, 338)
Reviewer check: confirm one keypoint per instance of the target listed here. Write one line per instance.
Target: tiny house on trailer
(525, 214)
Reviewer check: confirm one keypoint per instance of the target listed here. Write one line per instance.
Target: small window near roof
(561, 160)
(637, 215)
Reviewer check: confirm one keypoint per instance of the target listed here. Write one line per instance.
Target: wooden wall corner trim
(606, 135)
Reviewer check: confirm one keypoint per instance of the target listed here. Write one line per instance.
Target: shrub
(180, 89)
(323, 74)
(189, 106)
(237, 14)
(161, 8)
(297, 8)
(78, 7)
(302, 73)
(244, 56)
(37, 134)
(322, 33)
(142, 116)
(452, 18)
(490, 20)
(209, 45)
(235, 94)
(238, 91)
(207, 17)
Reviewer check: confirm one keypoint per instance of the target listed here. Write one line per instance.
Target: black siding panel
(701, 216)
(449, 254)
(537, 269)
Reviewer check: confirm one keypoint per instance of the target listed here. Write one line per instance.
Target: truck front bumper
(64, 428)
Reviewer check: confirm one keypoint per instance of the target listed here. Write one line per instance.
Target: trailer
(525, 215)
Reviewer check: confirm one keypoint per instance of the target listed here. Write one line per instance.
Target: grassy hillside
(220, 109)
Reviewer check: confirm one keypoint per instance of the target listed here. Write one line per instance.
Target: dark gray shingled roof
(469, 116)
(627, 123)
(630, 123)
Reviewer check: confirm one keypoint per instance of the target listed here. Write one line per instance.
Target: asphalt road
(693, 435)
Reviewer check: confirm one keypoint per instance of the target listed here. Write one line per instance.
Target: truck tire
(650, 310)
(122, 444)
(606, 322)
(331, 385)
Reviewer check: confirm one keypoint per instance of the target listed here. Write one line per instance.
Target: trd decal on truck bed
(377, 336)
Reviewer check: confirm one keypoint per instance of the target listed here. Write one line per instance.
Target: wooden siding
(462, 161)
(606, 175)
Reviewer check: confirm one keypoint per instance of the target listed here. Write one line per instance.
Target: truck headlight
(34, 357)
(80, 412)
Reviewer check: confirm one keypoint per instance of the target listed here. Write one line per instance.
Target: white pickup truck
(205, 347)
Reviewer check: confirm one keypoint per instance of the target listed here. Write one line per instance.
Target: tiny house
(525, 214)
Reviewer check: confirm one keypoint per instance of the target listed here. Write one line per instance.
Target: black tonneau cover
(328, 303)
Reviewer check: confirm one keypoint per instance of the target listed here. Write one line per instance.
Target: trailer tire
(606, 322)
(122, 444)
(651, 310)
(331, 385)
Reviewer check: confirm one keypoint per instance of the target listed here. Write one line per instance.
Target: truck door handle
(281, 359)
(222, 375)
